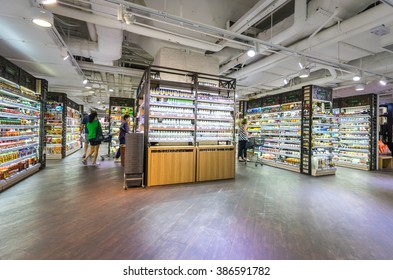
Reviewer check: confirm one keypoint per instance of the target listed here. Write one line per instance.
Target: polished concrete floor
(70, 211)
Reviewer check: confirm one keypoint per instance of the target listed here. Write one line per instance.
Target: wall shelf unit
(20, 124)
(357, 132)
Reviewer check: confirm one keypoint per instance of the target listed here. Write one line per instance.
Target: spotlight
(111, 89)
(85, 81)
(88, 87)
(251, 52)
(383, 81)
(285, 80)
(304, 73)
(42, 18)
(359, 87)
(47, 2)
(302, 62)
(357, 76)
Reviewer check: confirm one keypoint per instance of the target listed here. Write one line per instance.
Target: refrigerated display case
(73, 126)
(357, 132)
(63, 119)
(20, 145)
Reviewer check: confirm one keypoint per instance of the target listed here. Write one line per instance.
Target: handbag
(99, 136)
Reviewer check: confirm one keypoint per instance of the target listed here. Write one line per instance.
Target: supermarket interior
(259, 131)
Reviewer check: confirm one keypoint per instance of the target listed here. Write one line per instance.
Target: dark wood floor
(69, 211)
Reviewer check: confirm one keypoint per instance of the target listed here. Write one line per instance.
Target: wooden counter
(215, 162)
(171, 165)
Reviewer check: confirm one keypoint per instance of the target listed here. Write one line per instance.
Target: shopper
(95, 137)
(238, 123)
(85, 133)
(124, 129)
(242, 152)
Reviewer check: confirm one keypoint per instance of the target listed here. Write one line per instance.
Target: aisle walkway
(69, 211)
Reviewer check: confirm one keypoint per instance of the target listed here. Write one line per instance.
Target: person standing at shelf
(124, 129)
(85, 133)
(95, 137)
(238, 123)
(243, 138)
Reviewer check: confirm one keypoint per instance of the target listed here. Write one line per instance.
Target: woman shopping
(124, 129)
(94, 136)
(242, 151)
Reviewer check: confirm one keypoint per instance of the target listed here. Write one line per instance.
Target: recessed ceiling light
(42, 18)
(85, 81)
(88, 87)
(111, 90)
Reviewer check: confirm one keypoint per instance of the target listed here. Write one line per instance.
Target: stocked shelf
(19, 135)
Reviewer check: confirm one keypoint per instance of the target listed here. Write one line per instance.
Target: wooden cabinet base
(215, 163)
(170, 165)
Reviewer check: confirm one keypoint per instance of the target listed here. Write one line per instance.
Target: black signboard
(254, 103)
(271, 100)
(73, 104)
(292, 96)
(353, 101)
(9, 70)
(26, 80)
(121, 102)
(322, 93)
(337, 103)
(56, 96)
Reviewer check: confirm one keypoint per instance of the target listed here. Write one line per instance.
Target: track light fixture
(47, 2)
(359, 87)
(285, 80)
(251, 52)
(383, 81)
(85, 81)
(304, 73)
(357, 76)
(302, 62)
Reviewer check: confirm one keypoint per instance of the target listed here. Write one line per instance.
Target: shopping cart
(107, 138)
(255, 150)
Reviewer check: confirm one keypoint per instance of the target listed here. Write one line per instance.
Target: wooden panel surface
(171, 165)
(215, 163)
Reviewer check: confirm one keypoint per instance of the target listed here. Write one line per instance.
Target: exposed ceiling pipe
(140, 30)
(112, 69)
(110, 40)
(251, 17)
(300, 17)
(92, 31)
(325, 23)
(321, 81)
(350, 27)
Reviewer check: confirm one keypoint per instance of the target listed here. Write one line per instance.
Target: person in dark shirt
(124, 128)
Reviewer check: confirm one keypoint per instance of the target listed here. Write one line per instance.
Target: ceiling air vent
(380, 30)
